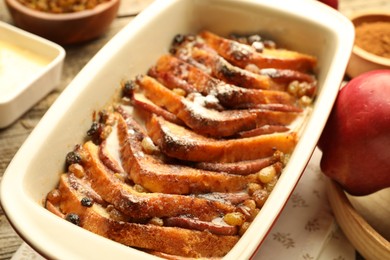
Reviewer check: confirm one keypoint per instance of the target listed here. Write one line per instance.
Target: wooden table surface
(12, 137)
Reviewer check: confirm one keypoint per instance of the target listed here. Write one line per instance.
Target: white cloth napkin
(306, 229)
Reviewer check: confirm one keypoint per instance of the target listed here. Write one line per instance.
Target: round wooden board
(367, 240)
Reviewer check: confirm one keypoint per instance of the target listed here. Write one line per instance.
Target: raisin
(73, 218)
(72, 158)
(238, 37)
(226, 71)
(269, 44)
(260, 197)
(259, 46)
(86, 202)
(103, 116)
(128, 88)
(95, 127)
(178, 39)
(254, 38)
(94, 132)
(54, 197)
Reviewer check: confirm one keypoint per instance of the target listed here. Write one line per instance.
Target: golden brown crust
(277, 79)
(139, 101)
(178, 142)
(144, 205)
(242, 55)
(241, 167)
(170, 240)
(159, 176)
(175, 73)
(221, 69)
(208, 121)
(195, 51)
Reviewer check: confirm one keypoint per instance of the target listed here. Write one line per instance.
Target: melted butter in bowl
(18, 66)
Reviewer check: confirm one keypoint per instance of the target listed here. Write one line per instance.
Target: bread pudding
(182, 163)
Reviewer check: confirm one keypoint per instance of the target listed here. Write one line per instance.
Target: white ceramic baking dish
(30, 67)
(307, 26)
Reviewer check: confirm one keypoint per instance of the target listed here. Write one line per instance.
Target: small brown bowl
(64, 28)
(361, 60)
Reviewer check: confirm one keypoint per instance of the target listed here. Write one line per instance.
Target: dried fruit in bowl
(61, 6)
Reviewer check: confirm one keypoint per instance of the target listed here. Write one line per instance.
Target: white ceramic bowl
(30, 67)
(35, 169)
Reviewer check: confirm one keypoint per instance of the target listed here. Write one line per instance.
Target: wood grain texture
(12, 137)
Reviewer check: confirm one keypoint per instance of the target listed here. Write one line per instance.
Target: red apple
(356, 139)
(331, 3)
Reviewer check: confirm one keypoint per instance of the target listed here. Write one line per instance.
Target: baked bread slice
(170, 240)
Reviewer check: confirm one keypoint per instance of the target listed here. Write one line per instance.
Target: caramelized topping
(184, 162)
